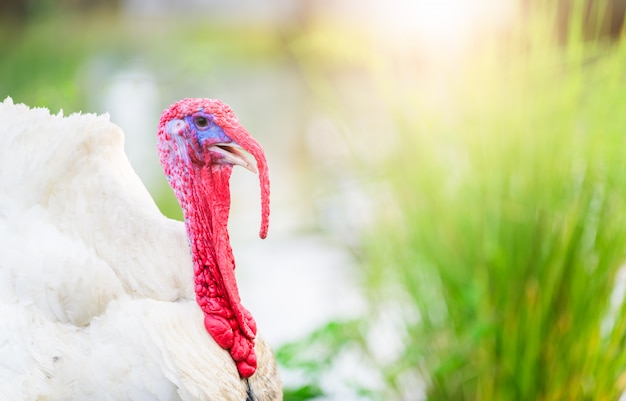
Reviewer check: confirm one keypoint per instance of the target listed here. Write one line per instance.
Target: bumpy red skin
(202, 189)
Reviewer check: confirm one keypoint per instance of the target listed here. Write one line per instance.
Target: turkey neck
(206, 212)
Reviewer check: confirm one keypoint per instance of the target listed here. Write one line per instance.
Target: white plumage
(96, 296)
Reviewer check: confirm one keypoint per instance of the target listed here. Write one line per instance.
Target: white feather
(96, 296)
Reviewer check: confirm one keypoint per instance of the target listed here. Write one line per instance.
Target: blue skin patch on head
(206, 130)
(191, 136)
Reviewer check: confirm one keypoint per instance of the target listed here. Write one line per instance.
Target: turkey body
(96, 285)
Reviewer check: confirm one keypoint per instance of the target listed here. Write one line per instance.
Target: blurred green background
(449, 184)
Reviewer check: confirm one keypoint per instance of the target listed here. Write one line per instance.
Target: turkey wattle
(199, 142)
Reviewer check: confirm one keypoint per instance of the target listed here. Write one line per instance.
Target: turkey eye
(201, 122)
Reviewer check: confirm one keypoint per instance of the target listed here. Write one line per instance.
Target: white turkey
(100, 295)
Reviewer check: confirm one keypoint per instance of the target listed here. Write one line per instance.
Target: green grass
(43, 60)
(511, 229)
(506, 227)
(510, 232)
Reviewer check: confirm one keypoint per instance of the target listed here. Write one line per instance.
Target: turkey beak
(234, 154)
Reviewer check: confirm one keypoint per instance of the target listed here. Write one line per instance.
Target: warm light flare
(438, 27)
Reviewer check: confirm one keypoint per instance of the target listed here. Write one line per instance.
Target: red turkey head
(199, 141)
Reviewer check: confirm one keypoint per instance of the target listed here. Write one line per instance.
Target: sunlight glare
(438, 27)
